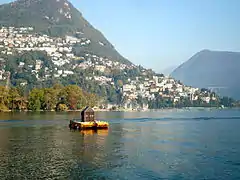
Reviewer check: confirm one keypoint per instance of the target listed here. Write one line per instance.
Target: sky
(159, 34)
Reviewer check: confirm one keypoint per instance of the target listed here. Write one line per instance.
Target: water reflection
(53, 151)
(100, 132)
(40, 146)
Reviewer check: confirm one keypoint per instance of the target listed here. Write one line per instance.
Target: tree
(166, 91)
(119, 83)
(61, 107)
(14, 96)
(73, 96)
(91, 99)
(140, 100)
(50, 98)
(36, 99)
(4, 100)
(227, 102)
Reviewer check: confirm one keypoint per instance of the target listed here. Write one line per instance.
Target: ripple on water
(204, 147)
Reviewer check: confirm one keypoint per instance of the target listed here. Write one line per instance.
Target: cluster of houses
(166, 87)
(101, 64)
(60, 51)
(24, 39)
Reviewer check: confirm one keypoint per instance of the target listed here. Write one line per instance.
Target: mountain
(212, 69)
(167, 71)
(57, 18)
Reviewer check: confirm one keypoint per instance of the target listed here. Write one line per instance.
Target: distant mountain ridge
(212, 69)
(57, 18)
(167, 71)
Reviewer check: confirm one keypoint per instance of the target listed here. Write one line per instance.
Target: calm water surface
(170, 144)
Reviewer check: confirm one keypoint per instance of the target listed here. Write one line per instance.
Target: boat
(79, 125)
(87, 121)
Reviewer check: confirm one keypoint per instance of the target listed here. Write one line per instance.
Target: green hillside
(56, 18)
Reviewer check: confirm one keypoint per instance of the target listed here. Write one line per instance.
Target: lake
(167, 144)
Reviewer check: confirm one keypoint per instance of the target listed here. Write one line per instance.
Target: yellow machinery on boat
(75, 124)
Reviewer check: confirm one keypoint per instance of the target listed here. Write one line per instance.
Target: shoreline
(129, 110)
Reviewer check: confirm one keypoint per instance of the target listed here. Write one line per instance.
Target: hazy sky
(161, 33)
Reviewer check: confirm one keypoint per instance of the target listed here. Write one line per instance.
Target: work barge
(87, 121)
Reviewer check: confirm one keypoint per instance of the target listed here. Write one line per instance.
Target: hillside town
(143, 85)
(60, 50)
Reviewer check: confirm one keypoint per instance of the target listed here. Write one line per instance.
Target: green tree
(73, 96)
(50, 98)
(13, 98)
(4, 100)
(36, 99)
(227, 102)
(140, 100)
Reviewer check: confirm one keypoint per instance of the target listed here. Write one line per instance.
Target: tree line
(161, 102)
(57, 98)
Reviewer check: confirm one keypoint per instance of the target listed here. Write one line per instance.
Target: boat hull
(88, 125)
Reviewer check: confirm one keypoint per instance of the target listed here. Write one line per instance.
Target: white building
(38, 65)
(100, 68)
(129, 87)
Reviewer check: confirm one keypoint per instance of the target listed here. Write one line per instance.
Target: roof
(87, 109)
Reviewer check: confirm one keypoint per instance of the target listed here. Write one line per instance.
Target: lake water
(169, 144)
